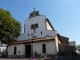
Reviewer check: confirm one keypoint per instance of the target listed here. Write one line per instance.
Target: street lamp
(32, 44)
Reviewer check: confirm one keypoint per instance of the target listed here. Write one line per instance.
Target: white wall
(2, 48)
(50, 47)
(57, 41)
(72, 43)
(37, 46)
(41, 27)
(20, 48)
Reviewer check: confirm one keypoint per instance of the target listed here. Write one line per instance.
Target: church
(39, 35)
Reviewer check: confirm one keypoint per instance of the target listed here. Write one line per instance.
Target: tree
(10, 28)
(76, 47)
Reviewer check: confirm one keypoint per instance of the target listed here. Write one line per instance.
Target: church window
(43, 48)
(15, 49)
(28, 34)
(41, 32)
(18, 51)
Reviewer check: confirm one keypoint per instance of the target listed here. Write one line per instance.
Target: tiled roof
(33, 40)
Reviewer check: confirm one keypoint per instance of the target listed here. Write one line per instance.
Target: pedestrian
(33, 57)
(36, 54)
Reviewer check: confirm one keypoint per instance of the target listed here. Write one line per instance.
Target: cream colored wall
(48, 26)
(40, 20)
(20, 48)
(50, 47)
(56, 40)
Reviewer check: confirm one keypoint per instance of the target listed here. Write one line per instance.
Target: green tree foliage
(10, 28)
(76, 48)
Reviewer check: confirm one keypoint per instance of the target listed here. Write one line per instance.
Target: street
(67, 58)
(56, 58)
(12, 59)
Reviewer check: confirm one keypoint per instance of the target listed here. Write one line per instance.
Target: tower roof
(34, 13)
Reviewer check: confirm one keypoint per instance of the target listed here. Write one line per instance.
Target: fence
(65, 50)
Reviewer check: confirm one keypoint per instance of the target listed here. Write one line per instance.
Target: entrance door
(28, 51)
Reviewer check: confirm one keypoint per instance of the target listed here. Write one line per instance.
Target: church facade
(39, 35)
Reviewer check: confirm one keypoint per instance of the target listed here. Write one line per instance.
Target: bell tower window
(34, 26)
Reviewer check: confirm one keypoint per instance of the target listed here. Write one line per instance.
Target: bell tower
(34, 13)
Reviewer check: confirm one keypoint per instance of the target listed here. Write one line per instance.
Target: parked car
(78, 52)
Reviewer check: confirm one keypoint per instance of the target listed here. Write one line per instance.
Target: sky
(64, 15)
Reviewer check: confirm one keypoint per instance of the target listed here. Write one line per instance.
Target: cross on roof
(34, 8)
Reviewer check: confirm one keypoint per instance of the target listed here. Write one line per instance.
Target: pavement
(18, 59)
(67, 58)
(56, 58)
(12, 59)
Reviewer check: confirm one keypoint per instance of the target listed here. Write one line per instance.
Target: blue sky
(64, 15)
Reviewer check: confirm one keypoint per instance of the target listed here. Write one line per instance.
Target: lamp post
(32, 44)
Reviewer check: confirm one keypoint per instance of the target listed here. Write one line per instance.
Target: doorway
(44, 48)
(28, 51)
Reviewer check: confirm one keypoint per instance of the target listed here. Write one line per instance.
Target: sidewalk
(67, 58)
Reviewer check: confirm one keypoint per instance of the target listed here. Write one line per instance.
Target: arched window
(41, 32)
(15, 50)
(28, 34)
(43, 48)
